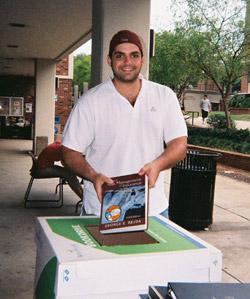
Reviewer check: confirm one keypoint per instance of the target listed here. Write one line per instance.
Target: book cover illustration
(124, 204)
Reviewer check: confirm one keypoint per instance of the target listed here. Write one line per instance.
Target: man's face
(126, 62)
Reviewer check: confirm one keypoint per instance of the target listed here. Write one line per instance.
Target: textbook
(125, 204)
(179, 290)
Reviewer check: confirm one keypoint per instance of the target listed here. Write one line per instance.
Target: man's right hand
(98, 180)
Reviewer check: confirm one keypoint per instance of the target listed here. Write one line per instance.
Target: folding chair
(35, 175)
(63, 182)
(79, 201)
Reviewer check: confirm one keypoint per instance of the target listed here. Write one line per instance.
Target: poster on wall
(28, 107)
(16, 107)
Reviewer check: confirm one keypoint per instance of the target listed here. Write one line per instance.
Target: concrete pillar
(85, 86)
(110, 16)
(44, 102)
(76, 92)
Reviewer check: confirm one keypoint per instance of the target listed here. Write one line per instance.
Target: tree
(221, 41)
(82, 70)
(172, 65)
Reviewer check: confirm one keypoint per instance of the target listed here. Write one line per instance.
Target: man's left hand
(152, 170)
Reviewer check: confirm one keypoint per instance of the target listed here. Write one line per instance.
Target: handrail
(194, 114)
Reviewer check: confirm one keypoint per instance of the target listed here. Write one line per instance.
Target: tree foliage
(82, 70)
(172, 65)
(220, 41)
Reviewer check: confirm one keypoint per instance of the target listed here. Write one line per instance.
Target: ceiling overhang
(48, 29)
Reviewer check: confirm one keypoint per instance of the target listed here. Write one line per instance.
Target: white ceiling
(52, 30)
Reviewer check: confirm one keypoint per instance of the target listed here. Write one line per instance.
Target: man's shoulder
(102, 87)
(157, 87)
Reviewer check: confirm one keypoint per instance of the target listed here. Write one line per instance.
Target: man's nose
(127, 59)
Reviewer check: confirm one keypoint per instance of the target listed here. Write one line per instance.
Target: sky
(161, 18)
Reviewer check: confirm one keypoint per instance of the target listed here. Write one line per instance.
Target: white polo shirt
(119, 139)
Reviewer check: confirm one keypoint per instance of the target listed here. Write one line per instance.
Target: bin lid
(203, 153)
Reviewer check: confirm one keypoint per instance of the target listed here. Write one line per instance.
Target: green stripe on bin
(46, 283)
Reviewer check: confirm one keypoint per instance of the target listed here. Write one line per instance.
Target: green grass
(243, 117)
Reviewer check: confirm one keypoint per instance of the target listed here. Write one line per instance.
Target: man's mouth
(127, 69)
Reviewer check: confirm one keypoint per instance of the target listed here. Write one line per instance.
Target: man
(205, 107)
(121, 126)
(45, 162)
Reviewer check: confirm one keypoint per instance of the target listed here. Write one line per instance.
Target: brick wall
(244, 84)
(239, 111)
(62, 67)
(206, 86)
(63, 104)
(64, 101)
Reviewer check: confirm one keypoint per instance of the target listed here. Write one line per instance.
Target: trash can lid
(203, 153)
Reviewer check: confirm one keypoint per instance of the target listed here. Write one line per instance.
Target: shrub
(240, 101)
(218, 121)
(229, 140)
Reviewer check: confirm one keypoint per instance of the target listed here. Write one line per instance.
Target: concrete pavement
(230, 231)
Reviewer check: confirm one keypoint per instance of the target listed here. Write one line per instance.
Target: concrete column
(109, 17)
(44, 103)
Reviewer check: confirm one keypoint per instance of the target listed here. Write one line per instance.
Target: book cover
(125, 204)
(179, 290)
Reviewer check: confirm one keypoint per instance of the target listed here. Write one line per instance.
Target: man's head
(125, 56)
(124, 36)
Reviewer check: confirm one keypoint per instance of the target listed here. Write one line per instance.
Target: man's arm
(210, 107)
(77, 163)
(174, 152)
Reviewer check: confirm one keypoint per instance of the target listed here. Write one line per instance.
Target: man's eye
(135, 55)
(118, 56)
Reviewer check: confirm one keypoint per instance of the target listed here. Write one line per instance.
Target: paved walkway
(239, 124)
(230, 231)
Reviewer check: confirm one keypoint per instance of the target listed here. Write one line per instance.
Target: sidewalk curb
(236, 160)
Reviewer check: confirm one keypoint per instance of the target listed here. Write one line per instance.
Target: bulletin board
(11, 106)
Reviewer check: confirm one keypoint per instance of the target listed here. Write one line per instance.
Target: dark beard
(124, 80)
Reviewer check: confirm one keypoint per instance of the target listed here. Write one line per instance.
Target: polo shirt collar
(143, 83)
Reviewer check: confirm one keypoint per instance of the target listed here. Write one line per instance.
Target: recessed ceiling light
(12, 46)
(17, 25)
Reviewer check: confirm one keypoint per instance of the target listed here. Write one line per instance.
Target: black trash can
(191, 197)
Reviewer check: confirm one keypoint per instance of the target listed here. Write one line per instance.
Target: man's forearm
(174, 152)
(76, 163)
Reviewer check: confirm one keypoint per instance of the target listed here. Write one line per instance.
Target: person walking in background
(45, 161)
(121, 125)
(205, 107)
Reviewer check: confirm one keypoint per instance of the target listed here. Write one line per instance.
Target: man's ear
(109, 60)
(143, 60)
